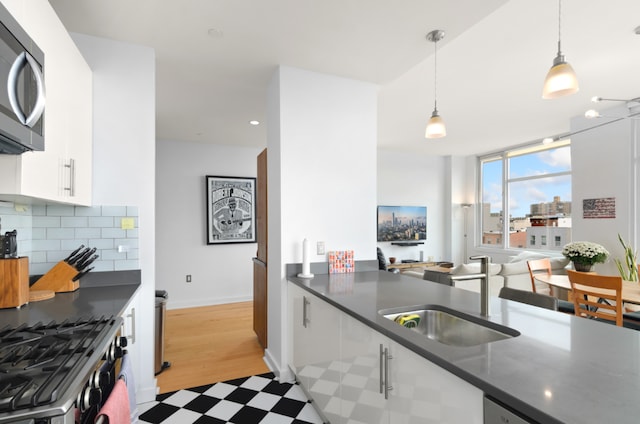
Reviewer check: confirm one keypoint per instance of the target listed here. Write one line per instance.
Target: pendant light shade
(435, 126)
(561, 79)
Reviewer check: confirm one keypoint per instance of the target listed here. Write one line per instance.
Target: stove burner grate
(37, 362)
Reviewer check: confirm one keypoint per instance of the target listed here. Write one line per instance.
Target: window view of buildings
(547, 227)
(533, 183)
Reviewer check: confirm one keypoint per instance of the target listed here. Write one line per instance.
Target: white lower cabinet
(422, 392)
(315, 354)
(363, 388)
(356, 375)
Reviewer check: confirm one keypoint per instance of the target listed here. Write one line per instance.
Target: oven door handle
(21, 61)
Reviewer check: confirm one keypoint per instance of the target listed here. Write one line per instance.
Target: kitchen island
(560, 369)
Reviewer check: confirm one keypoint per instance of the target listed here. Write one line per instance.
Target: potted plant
(584, 254)
(629, 269)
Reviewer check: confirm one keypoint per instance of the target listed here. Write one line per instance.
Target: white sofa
(514, 274)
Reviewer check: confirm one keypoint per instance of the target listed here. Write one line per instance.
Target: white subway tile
(88, 211)
(60, 210)
(101, 221)
(113, 233)
(114, 211)
(46, 221)
(74, 221)
(61, 233)
(87, 233)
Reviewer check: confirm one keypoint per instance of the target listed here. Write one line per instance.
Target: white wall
(407, 179)
(220, 273)
(604, 164)
(322, 173)
(124, 165)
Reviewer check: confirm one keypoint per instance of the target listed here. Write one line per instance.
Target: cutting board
(38, 295)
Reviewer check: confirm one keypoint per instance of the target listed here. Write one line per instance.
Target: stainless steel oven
(58, 373)
(22, 93)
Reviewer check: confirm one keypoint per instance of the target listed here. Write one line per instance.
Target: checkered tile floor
(258, 399)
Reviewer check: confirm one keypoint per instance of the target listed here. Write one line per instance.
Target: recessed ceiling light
(215, 33)
(254, 122)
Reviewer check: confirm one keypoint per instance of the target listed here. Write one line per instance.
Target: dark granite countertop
(561, 369)
(100, 294)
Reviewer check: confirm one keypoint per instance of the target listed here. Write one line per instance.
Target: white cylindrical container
(306, 264)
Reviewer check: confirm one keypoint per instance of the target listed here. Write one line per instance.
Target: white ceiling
(216, 57)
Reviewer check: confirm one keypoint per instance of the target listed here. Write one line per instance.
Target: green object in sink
(409, 320)
(448, 326)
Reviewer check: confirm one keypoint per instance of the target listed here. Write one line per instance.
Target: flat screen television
(402, 223)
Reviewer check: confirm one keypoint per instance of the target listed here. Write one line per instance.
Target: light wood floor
(210, 344)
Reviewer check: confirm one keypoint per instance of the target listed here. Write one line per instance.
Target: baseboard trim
(282, 375)
(194, 303)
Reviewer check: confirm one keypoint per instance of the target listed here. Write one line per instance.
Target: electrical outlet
(188, 278)
(320, 248)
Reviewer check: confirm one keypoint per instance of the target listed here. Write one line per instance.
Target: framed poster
(231, 216)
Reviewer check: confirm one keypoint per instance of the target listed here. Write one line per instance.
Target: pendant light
(435, 126)
(561, 79)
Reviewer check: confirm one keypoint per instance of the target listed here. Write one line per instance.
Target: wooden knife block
(14, 282)
(58, 279)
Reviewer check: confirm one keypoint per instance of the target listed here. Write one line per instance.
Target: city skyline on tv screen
(402, 223)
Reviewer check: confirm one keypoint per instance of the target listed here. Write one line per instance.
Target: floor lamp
(466, 207)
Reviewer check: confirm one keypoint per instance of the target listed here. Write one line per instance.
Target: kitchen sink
(448, 326)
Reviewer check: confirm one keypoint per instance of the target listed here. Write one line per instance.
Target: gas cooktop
(44, 365)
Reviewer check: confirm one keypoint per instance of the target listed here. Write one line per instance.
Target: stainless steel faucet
(483, 276)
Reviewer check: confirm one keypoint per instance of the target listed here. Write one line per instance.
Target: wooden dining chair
(539, 266)
(597, 296)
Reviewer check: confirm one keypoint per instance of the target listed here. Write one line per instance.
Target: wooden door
(260, 301)
(260, 262)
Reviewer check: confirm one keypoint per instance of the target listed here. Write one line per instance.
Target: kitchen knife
(84, 264)
(85, 256)
(72, 254)
(77, 257)
(81, 274)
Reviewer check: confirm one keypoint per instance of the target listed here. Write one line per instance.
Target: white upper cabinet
(62, 172)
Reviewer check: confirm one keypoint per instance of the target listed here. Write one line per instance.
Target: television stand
(407, 243)
(405, 266)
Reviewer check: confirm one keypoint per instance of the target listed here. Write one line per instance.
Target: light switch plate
(320, 248)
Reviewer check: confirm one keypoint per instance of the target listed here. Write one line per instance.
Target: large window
(533, 184)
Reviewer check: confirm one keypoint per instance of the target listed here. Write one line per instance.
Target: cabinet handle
(381, 369)
(387, 386)
(305, 304)
(132, 336)
(72, 177)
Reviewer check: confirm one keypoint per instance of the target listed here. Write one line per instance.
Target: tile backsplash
(49, 233)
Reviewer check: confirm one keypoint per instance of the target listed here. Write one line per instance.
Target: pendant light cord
(559, 26)
(435, 77)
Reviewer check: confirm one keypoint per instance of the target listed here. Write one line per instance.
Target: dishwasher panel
(495, 413)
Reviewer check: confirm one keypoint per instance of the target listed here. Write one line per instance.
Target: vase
(582, 267)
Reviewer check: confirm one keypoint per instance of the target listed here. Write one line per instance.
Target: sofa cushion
(512, 268)
(474, 268)
(527, 256)
(559, 263)
(518, 264)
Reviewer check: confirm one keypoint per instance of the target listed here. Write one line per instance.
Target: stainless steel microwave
(22, 93)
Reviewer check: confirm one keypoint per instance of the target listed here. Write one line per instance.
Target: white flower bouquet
(585, 252)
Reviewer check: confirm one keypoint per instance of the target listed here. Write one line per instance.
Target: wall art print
(599, 208)
(231, 209)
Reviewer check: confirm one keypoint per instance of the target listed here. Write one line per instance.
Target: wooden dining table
(630, 289)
